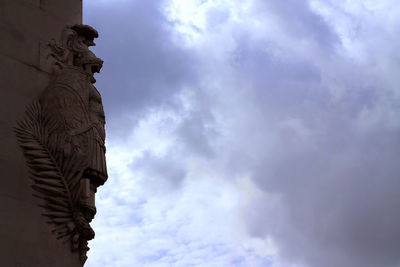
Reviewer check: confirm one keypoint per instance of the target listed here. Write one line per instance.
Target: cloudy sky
(249, 133)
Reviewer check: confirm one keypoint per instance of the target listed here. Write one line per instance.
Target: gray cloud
(197, 133)
(336, 178)
(162, 173)
(144, 66)
(298, 20)
(339, 191)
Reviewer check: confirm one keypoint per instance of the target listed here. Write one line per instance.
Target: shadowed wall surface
(25, 28)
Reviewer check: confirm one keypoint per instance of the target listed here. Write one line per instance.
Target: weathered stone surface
(57, 8)
(23, 25)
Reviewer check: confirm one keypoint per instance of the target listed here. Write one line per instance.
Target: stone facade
(26, 26)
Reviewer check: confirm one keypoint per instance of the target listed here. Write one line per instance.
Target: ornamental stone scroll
(62, 136)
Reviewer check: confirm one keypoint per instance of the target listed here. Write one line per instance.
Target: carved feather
(47, 181)
(51, 206)
(52, 199)
(51, 182)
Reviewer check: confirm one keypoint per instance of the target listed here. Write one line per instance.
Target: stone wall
(25, 28)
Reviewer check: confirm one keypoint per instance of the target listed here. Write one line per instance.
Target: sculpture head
(78, 39)
(90, 64)
(74, 50)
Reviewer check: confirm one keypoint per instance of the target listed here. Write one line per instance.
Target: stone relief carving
(62, 136)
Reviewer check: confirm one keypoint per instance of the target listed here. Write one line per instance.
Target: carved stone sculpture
(62, 137)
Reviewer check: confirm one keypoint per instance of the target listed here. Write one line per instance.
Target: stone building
(26, 26)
